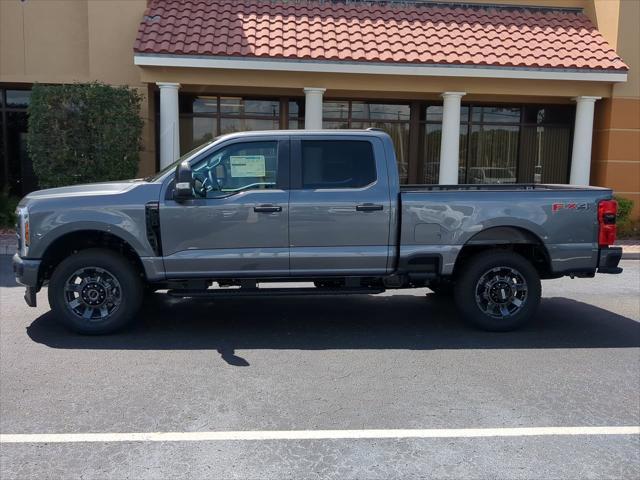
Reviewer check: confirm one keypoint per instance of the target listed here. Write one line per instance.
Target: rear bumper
(609, 259)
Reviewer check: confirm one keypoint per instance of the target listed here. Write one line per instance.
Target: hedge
(83, 133)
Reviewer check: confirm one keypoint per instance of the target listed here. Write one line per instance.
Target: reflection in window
(493, 154)
(434, 113)
(335, 110)
(248, 107)
(231, 125)
(379, 111)
(205, 105)
(499, 114)
(18, 98)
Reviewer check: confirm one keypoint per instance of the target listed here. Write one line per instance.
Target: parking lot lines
(315, 434)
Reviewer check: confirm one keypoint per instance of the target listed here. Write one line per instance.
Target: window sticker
(248, 166)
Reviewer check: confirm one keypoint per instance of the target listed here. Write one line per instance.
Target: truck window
(337, 164)
(241, 166)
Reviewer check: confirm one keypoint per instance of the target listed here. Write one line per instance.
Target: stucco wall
(65, 41)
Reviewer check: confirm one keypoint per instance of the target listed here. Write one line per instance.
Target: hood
(88, 189)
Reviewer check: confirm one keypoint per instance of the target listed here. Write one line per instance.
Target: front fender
(131, 230)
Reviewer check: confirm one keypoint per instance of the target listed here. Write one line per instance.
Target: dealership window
(498, 143)
(392, 118)
(295, 113)
(203, 117)
(502, 144)
(16, 167)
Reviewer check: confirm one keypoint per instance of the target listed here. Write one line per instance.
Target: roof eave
(377, 68)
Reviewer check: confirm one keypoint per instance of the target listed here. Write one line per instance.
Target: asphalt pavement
(400, 360)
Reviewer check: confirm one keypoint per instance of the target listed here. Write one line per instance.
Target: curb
(631, 256)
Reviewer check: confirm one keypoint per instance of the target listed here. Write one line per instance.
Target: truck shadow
(319, 323)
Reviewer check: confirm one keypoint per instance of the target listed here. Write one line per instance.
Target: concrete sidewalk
(630, 248)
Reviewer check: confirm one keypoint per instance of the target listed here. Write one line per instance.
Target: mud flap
(30, 296)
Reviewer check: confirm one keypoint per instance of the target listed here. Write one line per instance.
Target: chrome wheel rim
(501, 292)
(92, 293)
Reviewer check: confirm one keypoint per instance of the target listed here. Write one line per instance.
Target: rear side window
(337, 164)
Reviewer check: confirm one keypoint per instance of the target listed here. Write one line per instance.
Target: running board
(272, 292)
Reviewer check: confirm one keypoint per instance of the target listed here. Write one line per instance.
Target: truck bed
(443, 218)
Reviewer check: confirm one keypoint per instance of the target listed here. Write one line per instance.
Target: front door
(340, 208)
(237, 225)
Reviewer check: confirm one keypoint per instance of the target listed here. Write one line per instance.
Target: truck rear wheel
(498, 290)
(95, 291)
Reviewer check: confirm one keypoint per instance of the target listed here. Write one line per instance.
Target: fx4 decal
(556, 207)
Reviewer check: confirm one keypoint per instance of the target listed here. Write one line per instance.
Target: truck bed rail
(417, 188)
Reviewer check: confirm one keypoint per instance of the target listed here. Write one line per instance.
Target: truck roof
(372, 132)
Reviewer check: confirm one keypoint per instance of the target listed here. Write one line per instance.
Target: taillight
(607, 211)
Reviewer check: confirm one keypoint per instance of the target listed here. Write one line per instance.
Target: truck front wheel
(95, 291)
(498, 290)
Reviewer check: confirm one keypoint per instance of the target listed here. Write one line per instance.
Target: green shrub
(624, 208)
(7, 211)
(627, 226)
(83, 133)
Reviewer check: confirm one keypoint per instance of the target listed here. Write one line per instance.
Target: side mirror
(183, 189)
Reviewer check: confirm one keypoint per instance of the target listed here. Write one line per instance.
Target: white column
(582, 137)
(450, 140)
(313, 108)
(169, 123)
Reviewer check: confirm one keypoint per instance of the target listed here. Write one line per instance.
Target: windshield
(172, 166)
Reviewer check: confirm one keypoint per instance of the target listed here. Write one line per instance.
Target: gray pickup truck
(321, 208)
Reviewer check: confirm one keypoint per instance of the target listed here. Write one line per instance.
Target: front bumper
(609, 259)
(26, 272)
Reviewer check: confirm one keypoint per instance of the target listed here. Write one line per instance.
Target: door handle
(267, 208)
(369, 207)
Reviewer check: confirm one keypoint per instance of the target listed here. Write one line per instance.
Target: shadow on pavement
(362, 322)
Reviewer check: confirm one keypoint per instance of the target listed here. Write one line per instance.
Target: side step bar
(272, 292)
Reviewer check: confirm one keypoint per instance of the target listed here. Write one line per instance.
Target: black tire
(498, 291)
(114, 275)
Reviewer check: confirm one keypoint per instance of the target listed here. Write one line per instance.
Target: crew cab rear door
(339, 206)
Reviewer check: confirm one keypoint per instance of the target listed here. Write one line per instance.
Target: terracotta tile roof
(374, 32)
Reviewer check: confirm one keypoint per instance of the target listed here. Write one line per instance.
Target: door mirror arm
(183, 189)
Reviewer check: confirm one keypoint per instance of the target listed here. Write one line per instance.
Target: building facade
(494, 91)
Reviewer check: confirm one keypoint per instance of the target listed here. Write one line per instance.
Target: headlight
(23, 231)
